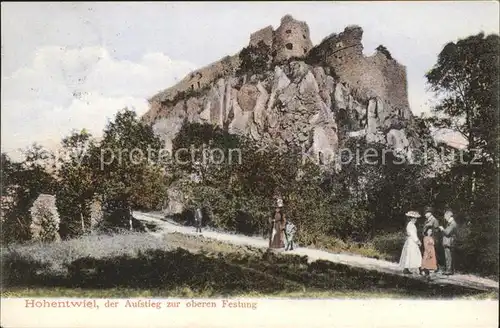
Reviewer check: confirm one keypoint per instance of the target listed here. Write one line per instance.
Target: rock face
(45, 219)
(310, 97)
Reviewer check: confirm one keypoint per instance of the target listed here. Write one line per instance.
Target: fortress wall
(265, 35)
(200, 78)
(374, 76)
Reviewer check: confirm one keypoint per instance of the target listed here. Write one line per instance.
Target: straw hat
(413, 214)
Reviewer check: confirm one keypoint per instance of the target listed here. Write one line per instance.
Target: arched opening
(288, 31)
(289, 46)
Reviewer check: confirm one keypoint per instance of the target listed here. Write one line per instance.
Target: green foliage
(254, 59)
(239, 195)
(128, 164)
(22, 183)
(390, 244)
(77, 184)
(466, 81)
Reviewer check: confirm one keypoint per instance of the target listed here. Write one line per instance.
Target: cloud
(74, 88)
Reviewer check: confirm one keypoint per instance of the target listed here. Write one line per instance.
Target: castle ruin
(336, 84)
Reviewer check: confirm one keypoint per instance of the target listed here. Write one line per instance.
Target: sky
(68, 66)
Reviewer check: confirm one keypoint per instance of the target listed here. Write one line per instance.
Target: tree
(22, 183)
(465, 80)
(129, 167)
(77, 183)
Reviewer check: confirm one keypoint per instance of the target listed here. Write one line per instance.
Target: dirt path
(164, 227)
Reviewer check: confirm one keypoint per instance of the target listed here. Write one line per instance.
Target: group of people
(438, 243)
(282, 231)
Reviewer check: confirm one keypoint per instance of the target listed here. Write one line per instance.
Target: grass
(186, 292)
(141, 265)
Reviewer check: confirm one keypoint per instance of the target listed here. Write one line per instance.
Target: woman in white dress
(411, 257)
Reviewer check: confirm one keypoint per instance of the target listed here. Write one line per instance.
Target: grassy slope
(139, 265)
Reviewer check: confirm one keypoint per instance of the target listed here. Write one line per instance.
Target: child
(290, 230)
(429, 257)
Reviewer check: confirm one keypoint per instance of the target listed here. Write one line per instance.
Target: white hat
(413, 214)
(279, 202)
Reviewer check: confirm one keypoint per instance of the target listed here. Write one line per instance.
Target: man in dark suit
(449, 240)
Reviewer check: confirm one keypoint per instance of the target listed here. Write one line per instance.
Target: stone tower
(338, 49)
(291, 39)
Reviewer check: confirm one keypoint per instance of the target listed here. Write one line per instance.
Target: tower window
(304, 36)
(289, 46)
(288, 31)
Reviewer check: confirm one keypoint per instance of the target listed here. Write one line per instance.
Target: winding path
(464, 280)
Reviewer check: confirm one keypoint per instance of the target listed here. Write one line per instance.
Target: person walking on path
(449, 241)
(198, 219)
(432, 222)
(277, 222)
(429, 257)
(411, 257)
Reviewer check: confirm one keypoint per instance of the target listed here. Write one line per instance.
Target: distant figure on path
(277, 221)
(429, 257)
(198, 218)
(432, 222)
(449, 241)
(411, 257)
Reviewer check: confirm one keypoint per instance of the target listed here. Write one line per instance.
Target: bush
(477, 246)
(254, 59)
(390, 244)
(45, 219)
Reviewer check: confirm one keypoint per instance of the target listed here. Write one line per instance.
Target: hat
(279, 202)
(413, 214)
(428, 209)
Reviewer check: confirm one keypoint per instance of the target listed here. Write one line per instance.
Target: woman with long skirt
(411, 257)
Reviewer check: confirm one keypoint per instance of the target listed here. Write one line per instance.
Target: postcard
(250, 164)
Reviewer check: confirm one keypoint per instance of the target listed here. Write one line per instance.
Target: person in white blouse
(411, 257)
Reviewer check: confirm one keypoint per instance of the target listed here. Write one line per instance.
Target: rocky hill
(281, 89)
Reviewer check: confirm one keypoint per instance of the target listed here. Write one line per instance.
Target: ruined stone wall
(265, 35)
(356, 96)
(372, 77)
(200, 78)
(339, 49)
(291, 39)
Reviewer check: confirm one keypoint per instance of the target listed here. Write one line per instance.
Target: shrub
(45, 219)
(254, 59)
(390, 244)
